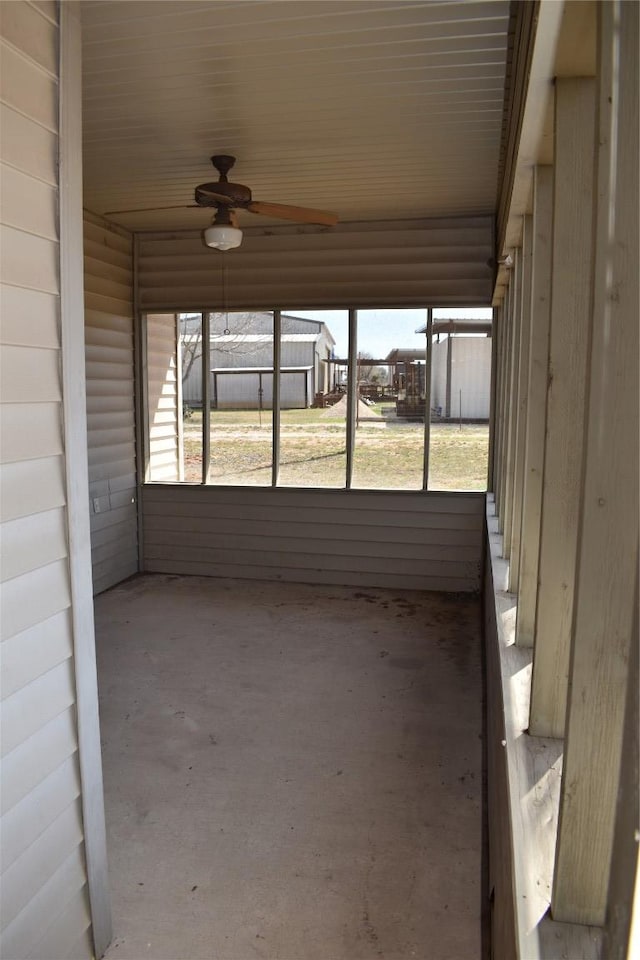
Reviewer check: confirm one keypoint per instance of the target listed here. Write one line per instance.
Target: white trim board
(75, 440)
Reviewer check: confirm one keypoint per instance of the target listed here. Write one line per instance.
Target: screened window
(367, 399)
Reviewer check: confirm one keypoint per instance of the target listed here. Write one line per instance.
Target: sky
(380, 331)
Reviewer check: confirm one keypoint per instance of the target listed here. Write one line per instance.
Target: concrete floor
(291, 772)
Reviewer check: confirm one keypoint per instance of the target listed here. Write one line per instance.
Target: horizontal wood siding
(408, 263)
(108, 271)
(41, 832)
(163, 399)
(415, 541)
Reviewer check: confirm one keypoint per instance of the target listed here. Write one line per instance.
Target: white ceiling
(375, 109)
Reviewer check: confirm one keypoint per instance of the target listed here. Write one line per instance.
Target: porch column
(537, 404)
(607, 549)
(492, 401)
(506, 370)
(570, 306)
(512, 400)
(522, 375)
(498, 414)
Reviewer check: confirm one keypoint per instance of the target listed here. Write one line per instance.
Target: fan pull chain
(225, 305)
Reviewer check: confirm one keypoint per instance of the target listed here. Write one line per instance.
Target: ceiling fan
(226, 197)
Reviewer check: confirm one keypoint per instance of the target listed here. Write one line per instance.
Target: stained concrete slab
(292, 772)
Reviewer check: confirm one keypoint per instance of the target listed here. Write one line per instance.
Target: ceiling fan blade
(298, 214)
(182, 206)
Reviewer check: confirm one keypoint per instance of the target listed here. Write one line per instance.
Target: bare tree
(190, 341)
(369, 371)
(229, 335)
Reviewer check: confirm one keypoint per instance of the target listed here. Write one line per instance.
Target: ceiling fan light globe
(222, 237)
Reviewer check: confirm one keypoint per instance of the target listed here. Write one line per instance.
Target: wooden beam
(521, 408)
(516, 188)
(512, 402)
(570, 308)
(537, 405)
(608, 543)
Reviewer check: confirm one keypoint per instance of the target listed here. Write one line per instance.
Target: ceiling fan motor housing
(234, 194)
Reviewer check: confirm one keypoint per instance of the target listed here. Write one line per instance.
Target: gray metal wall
(409, 263)
(421, 541)
(110, 401)
(239, 391)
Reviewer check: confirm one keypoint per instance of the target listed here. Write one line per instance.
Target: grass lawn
(388, 454)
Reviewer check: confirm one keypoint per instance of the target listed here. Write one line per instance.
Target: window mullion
(352, 393)
(205, 327)
(427, 399)
(277, 354)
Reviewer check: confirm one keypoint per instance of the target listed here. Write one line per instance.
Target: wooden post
(275, 393)
(570, 308)
(512, 403)
(521, 409)
(500, 410)
(608, 544)
(506, 366)
(492, 403)
(622, 932)
(537, 405)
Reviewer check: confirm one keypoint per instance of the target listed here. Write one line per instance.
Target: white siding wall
(363, 538)
(439, 376)
(163, 399)
(45, 911)
(110, 402)
(471, 374)
(406, 263)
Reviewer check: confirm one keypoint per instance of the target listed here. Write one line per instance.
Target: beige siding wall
(44, 904)
(414, 541)
(108, 259)
(416, 262)
(163, 392)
